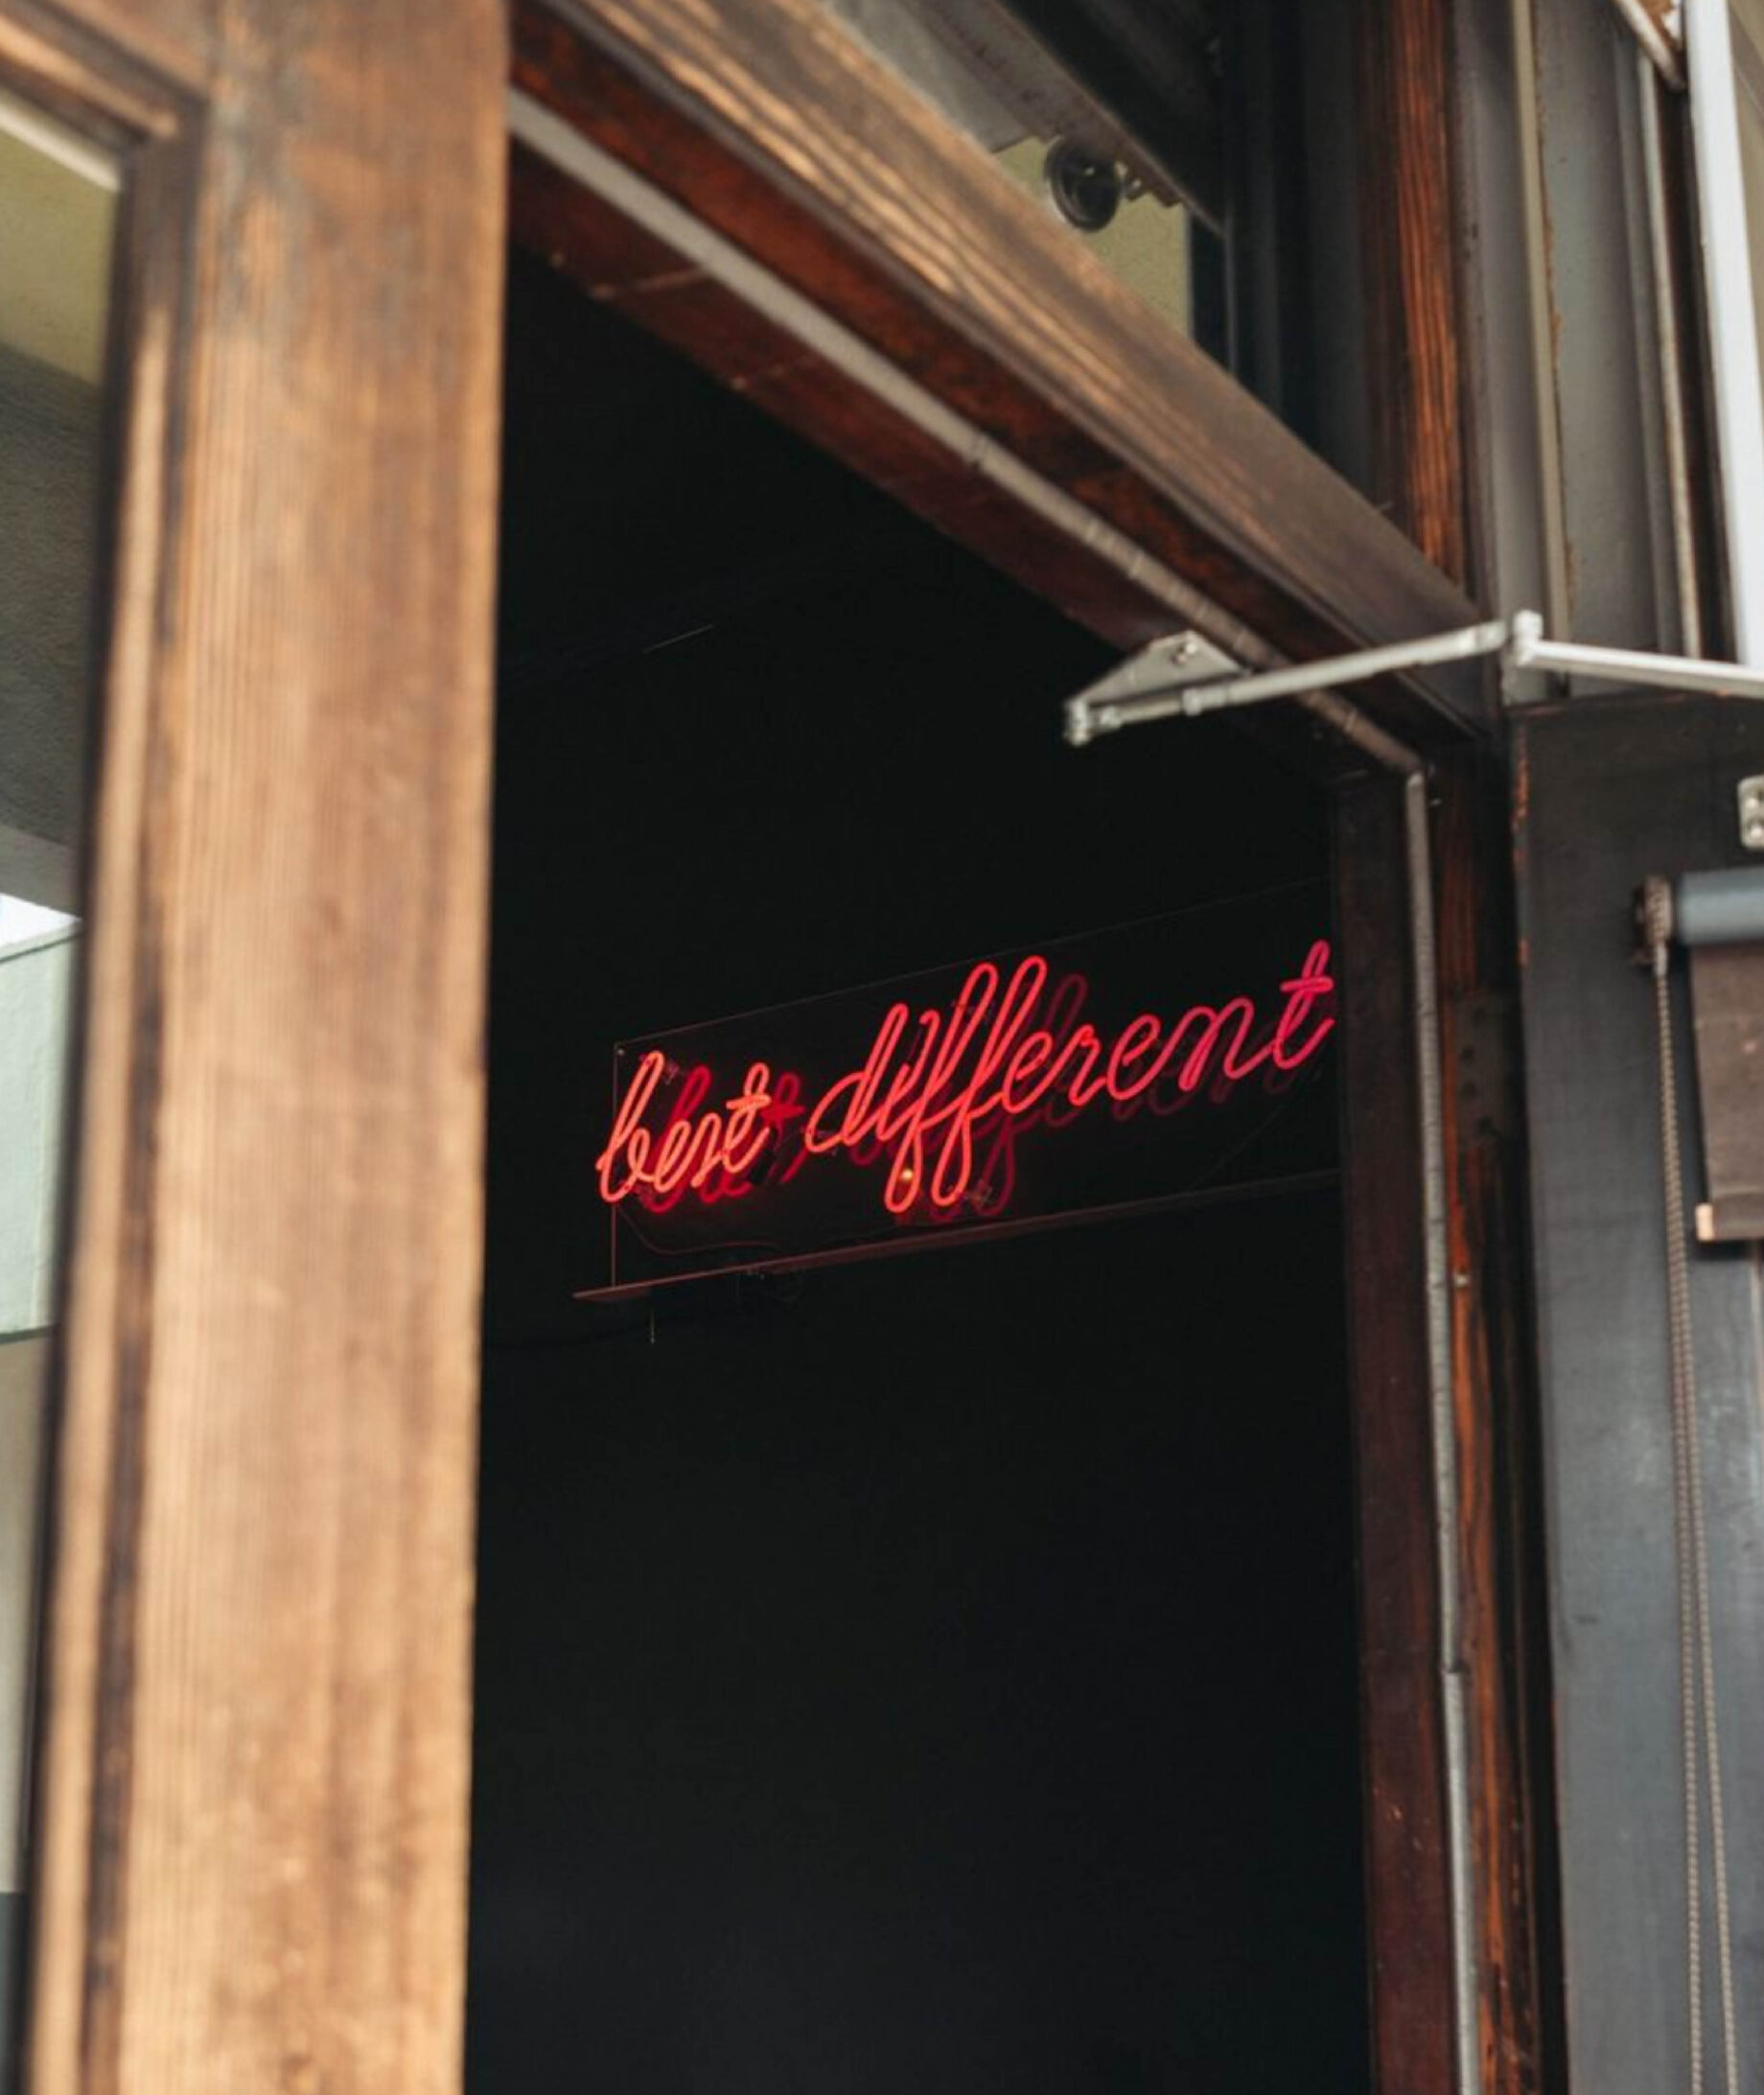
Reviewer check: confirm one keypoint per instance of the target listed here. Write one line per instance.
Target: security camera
(1084, 188)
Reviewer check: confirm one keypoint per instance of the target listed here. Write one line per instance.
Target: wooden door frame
(249, 1853)
(732, 186)
(250, 1861)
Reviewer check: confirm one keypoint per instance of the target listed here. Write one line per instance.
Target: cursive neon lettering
(864, 1083)
(1030, 1056)
(1137, 1040)
(933, 1093)
(1309, 986)
(691, 1148)
(628, 1138)
(746, 1132)
(956, 1113)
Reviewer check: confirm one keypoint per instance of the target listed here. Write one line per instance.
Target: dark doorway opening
(938, 1674)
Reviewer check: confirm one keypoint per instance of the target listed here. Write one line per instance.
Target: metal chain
(1701, 1735)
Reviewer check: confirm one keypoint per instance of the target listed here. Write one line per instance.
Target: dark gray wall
(1608, 792)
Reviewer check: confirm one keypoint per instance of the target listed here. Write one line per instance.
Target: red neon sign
(934, 1090)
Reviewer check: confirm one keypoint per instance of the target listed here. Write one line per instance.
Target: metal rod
(1632, 666)
(1087, 718)
(1654, 40)
(1356, 727)
(1442, 1420)
(1519, 641)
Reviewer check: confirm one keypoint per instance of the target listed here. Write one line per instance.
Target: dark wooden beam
(1505, 1625)
(1410, 229)
(1403, 1747)
(776, 129)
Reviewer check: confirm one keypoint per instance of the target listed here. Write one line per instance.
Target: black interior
(936, 1674)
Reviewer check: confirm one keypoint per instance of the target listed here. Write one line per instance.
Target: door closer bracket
(1180, 675)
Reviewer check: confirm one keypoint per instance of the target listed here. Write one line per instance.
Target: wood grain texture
(103, 43)
(1410, 223)
(1407, 1875)
(97, 88)
(1505, 1623)
(773, 125)
(250, 1869)
(1503, 1631)
(1411, 244)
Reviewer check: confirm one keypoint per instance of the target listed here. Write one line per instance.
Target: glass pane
(57, 209)
(1206, 151)
(996, 79)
